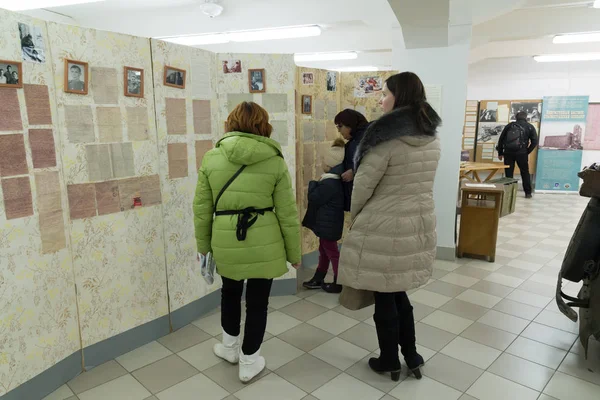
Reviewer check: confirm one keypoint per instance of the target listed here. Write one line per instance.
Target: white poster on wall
(434, 97)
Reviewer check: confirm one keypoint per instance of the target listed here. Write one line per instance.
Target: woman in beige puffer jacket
(391, 246)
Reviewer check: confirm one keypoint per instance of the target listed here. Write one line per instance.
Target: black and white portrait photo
(488, 115)
(174, 77)
(76, 77)
(533, 110)
(489, 132)
(10, 74)
(306, 104)
(134, 82)
(256, 79)
(331, 81)
(32, 43)
(308, 78)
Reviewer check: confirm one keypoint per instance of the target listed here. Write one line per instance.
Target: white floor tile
(522, 243)
(479, 298)
(504, 322)
(278, 302)
(566, 387)
(424, 389)
(143, 356)
(558, 321)
(446, 265)
(521, 371)
(493, 387)
(201, 356)
(278, 353)
(547, 254)
(210, 324)
(193, 388)
(339, 353)
(460, 280)
(471, 352)
(333, 322)
(447, 322)
(550, 336)
(430, 299)
(531, 299)
(123, 388)
(518, 309)
(505, 280)
(537, 352)
(271, 387)
(345, 387)
(62, 393)
(325, 299)
(576, 365)
(278, 322)
(526, 265)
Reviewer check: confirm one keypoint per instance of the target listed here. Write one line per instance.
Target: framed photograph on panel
(257, 80)
(306, 104)
(308, 78)
(10, 74)
(134, 82)
(174, 77)
(76, 77)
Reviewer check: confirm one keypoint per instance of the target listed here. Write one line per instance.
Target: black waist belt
(246, 218)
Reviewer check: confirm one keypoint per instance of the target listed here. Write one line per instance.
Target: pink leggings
(328, 252)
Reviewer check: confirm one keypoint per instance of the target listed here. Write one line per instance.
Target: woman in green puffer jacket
(253, 232)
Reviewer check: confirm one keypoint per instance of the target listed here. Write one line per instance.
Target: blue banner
(557, 170)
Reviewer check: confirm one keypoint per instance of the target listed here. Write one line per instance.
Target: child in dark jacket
(325, 217)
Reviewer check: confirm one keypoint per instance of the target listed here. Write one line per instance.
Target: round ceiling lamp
(211, 8)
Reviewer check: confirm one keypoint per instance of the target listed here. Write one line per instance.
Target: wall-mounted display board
(470, 127)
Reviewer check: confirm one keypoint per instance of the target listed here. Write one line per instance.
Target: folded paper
(122, 159)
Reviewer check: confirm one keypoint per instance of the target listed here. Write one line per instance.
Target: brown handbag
(356, 299)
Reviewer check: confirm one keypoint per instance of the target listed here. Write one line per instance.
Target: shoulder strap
(229, 182)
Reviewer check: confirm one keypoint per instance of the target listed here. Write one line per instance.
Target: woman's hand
(297, 265)
(348, 176)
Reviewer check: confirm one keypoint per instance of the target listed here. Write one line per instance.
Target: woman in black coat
(325, 217)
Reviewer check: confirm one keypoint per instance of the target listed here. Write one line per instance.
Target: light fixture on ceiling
(211, 8)
(23, 5)
(597, 4)
(245, 36)
(568, 57)
(577, 38)
(304, 57)
(357, 69)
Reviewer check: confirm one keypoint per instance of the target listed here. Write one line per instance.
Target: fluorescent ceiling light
(568, 57)
(245, 36)
(326, 56)
(577, 38)
(597, 4)
(357, 69)
(22, 5)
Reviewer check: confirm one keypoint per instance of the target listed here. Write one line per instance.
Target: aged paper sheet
(150, 190)
(10, 111)
(37, 100)
(308, 130)
(105, 85)
(202, 117)
(202, 146)
(332, 109)
(331, 131)
(122, 159)
(108, 199)
(275, 103)
(17, 197)
(309, 162)
(80, 125)
(319, 109)
(128, 190)
(176, 117)
(110, 127)
(319, 131)
(201, 65)
(52, 231)
(12, 155)
(234, 99)
(82, 200)
(47, 186)
(43, 153)
(178, 160)
(98, 162)
(137, 123)
(280, 132)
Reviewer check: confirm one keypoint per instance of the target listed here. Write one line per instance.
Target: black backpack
(515, 139)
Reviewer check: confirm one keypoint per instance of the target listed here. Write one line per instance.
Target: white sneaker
(229, 350)
(251, 366)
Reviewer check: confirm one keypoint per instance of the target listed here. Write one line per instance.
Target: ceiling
(497, 28)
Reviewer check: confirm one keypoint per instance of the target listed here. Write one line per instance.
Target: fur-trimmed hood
(401, 124)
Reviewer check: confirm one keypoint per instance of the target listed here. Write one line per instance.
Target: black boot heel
(417, 372)
(396, 376)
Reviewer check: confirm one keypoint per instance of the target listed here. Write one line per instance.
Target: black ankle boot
(316, 282)
(414, 363)
(332, 287)
(381, 368)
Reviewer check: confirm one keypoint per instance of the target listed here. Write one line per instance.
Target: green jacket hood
(247, 149)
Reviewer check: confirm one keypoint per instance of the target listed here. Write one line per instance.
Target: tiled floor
(488, 332)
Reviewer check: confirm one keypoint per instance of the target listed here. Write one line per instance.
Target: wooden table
(470, 171)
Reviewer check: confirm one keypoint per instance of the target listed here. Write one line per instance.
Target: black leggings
(395, 325)
(257, 304)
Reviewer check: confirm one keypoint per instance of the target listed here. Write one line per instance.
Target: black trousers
(395, 324)
(522, 161)
(257, 304)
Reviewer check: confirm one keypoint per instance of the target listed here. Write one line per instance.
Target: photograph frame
(264, 80)
(86, 77)
(166, 74)
(304, 111)
(19, 65)
(126, 82)
(306, 81)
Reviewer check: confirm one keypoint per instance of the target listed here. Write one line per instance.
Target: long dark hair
(350, 118)
(408, 90)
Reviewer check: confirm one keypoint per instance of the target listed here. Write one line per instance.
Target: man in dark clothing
(351, 125)
(517, 141)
